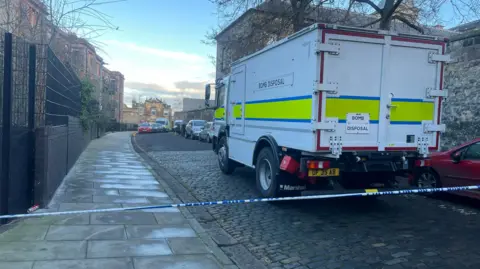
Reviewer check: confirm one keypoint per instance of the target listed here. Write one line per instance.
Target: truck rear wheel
(226, 165)
(267, 173)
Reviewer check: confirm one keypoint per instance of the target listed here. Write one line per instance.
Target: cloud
(149, 87)
(173, 55)
(185, 84)
(171, 95)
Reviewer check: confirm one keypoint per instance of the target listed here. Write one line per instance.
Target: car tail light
(311, 164)
(422, 163)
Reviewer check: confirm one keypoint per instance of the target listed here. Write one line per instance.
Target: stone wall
(461, 112)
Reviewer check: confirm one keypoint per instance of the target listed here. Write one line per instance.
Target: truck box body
(334, 90)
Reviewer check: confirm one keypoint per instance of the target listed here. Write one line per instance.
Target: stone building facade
(461, 110)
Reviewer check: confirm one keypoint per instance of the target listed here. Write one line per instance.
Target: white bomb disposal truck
(331, 107)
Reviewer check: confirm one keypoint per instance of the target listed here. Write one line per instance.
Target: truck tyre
(267, 173)
(226, 165)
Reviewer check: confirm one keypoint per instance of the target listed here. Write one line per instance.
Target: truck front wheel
(267, 173)
(226, 165)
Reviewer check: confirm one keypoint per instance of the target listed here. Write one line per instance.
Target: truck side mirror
(207, 94)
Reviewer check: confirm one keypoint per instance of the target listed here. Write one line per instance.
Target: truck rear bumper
(369, 162)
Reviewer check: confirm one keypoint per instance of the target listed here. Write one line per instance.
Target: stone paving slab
(86, 232)
(155, 210)
(84, 206)
(124, 217)
(84, 191)
(16, 265)
(122, 248)
(112, 263)
(120, 199)
(125, 181)
(158, 232)
(143, 193)
(42, 250)
(59, 220)
(127, 186)
(23, 232)
(187, 246)
(176, 262)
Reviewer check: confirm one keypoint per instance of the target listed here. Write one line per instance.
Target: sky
(158, 48)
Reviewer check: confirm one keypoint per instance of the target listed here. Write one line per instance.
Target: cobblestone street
(392, 232)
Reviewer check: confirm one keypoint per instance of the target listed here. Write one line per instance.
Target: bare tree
(33, 19)
(300, 12)
(80, 17)
(265, 21)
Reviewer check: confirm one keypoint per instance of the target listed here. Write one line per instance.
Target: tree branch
(370, 3)
(411, 25)
(392, 10)
(372, 22)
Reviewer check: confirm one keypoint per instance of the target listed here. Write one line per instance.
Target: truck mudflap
(377, 109)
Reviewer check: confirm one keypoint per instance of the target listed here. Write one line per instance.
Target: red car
(459, 166)
(144, 128)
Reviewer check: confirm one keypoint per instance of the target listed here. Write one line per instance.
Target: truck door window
(220, 96)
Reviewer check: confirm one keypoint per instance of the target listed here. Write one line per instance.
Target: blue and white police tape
(368, 192)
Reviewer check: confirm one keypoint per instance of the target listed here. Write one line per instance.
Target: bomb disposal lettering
(271, 83)
(358, 123)
(279, 81)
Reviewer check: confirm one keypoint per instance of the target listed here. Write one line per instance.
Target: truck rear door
(380, 100)
(356, 72)
(410, 94)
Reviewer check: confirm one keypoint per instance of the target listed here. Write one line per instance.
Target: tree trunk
(385, 23)
(298, 10)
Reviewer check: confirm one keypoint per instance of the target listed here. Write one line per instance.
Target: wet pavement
(109, 174)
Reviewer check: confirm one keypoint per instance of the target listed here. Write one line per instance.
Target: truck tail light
(289, 164)
(422, 163)
(311, 164)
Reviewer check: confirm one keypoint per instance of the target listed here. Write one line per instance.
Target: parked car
(144, 127)
(157, 128)
(207, 133)
(193, 128)
(177, 126)
(459, 166)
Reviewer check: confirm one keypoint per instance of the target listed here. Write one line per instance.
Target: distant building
(194, 104)
(130, 115)
(118, 82)
(156, 108)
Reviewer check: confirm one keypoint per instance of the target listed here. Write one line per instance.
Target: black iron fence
(63, 92)
(41, 135)
(17, 123)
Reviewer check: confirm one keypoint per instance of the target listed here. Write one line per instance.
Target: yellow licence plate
(331, 172)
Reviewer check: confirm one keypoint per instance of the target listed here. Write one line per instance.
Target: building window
(153, 112)
(222, 59)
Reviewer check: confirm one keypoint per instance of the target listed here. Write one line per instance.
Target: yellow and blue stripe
(299, 109)
(289, 109)
(220, 113)
(405, 111)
